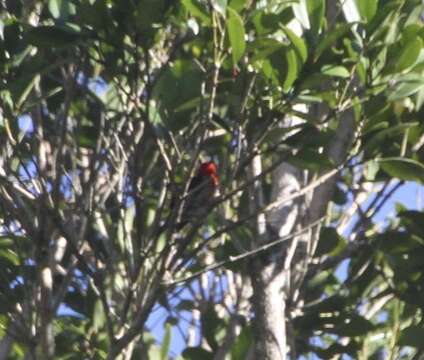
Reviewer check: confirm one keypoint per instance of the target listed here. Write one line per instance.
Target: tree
(311, 109)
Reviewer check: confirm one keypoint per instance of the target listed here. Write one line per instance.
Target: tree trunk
(269, 271)
(269, 309)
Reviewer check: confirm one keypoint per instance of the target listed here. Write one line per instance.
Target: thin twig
(233, 259)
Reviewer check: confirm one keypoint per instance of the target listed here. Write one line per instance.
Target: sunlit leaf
(403, 168)
(409, 54)
(198, 11)
(316, 12)
(335, 70)
(10, 256)
(238, 5)
(61, 9)
(367, 8)
(292, 69)
(99, 317)
(242, 344)
(298, 44)
(236, 35)
(405, 89)
(164, 350)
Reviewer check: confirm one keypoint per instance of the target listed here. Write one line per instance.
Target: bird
(201, 192)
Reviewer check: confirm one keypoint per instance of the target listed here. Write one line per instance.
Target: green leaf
(383, 17)
(242, 344)
(187, 305)
(335, 70)
(403, 168)
(164, 350)
(211, 325)
(236, 35)
(268, 23)
(52, 36)
(99, 317)
(10, 256)
(32, 81)
(96, 14)
(410, 32)
(197, 10)
(48, 94)
(154, 353)
(190, 104)
(7, 241)
(196, 353)
(86, 136)
(355, 326)
(177, 85)
(412, 336)
(405, 89)
(61, 9)
(264, 48)
(311, 160)
(377, 140)
(319, 280)
(238, 5)
(403, 54)
(292, 69)
(370, 126)
(316, 12)
(329, 241)
(413, 221)
(124, 227)
(310, 136)
(298, 44)
(367, 8)
(330, 304)
(339, 196)
(172, 321)
(149, 12)
(409, 54)
(371, 170)
(330, 38)
(396, 242)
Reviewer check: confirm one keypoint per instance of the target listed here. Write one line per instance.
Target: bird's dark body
(200, 193)
(199, 198)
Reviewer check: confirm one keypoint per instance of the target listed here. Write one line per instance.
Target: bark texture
(278, 276)
(269, 273)
(269, 309)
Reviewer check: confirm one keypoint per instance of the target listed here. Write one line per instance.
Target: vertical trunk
(269, 309)
(267, 271)
(46, 326)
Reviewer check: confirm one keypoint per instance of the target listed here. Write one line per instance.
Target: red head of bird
(209, 169)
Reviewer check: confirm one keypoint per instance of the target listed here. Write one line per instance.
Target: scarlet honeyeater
(201, 192)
